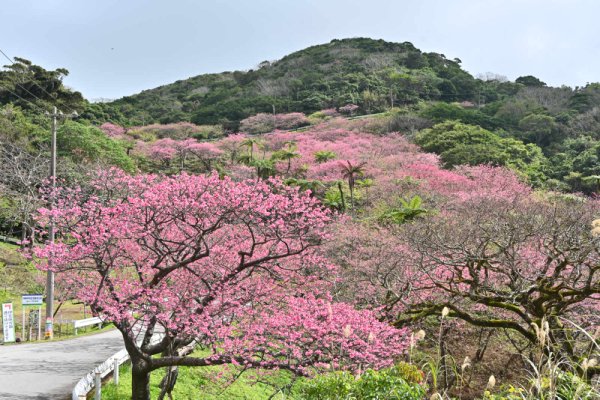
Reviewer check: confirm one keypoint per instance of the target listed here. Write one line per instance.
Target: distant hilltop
(374, 74)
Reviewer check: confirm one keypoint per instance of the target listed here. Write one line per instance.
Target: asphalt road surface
(41, 371)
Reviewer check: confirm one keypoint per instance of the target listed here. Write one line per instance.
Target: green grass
(201, 384)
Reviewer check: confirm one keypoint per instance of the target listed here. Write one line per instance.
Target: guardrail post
(116, 371)
(98, 385)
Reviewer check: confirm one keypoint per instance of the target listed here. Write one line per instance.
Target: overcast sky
(114, 48)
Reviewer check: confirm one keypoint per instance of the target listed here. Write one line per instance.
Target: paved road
(41, 371)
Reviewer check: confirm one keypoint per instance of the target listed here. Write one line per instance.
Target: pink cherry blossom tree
(232, 146)
(163, 151)
(262, 123)
(349, 109)
(207, 153)
(112, 130)
(231, 266)
(494, 262)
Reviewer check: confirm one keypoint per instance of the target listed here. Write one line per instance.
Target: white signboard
(32, 299)
(8, 322)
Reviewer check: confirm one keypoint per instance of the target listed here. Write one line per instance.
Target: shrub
(565, 386)
(263, 123)
(179, 130)
(324, 114)
(349, 109)
(396, 383)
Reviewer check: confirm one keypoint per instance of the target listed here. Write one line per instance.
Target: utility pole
(49, 332)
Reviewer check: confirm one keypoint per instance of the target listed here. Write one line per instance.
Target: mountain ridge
(372, 73)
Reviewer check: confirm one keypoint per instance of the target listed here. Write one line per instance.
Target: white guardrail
(87, 383)
(80, 323)
(93, 379)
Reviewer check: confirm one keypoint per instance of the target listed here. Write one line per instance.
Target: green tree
(23, 83)
(264, 168)
(440, 112)
(408, 210)
(448, 135)
(335, 197)
(251, 142)
(322, 156)
(459, 144)
(288, 153)
(350, 173)
(539, 129)
(530, 80)
(85, 143)
(313, 185)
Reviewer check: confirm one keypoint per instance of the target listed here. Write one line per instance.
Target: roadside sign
(32, 299)
(8, 323)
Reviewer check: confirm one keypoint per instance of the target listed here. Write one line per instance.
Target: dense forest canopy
(371, 73)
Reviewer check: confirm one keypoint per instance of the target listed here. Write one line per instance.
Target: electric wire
(20, 86)
(28, 101)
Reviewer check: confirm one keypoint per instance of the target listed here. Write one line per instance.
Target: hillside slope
(374, 74)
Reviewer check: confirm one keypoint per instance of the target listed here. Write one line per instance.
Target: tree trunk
(342, 196)
(32, 238)
(23, 234)
(140, 380)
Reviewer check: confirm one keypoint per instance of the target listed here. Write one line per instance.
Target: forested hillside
(371, 73)
(550, 134)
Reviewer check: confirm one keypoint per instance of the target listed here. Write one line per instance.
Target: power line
(7, 57)
(34, 82)
(13, 62)
(21, 87)
(28, 101)
(17, 84)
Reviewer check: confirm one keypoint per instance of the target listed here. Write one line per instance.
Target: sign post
(32, 300)
(8, 323)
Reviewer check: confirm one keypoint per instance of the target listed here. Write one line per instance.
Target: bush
(323, 115)
(564, 386)
(85, 143)
(180, 131)
(396, 383)
(263, 123)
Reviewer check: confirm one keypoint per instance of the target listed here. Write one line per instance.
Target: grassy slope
(200, 384)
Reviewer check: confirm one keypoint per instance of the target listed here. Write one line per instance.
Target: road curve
(48, 371)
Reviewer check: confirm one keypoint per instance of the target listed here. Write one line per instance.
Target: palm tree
(288, 153)
(305, 184)
(250, 143)
(264, 168)
(335, 199)
(324, 155)
(350, 172)
(408, 210)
